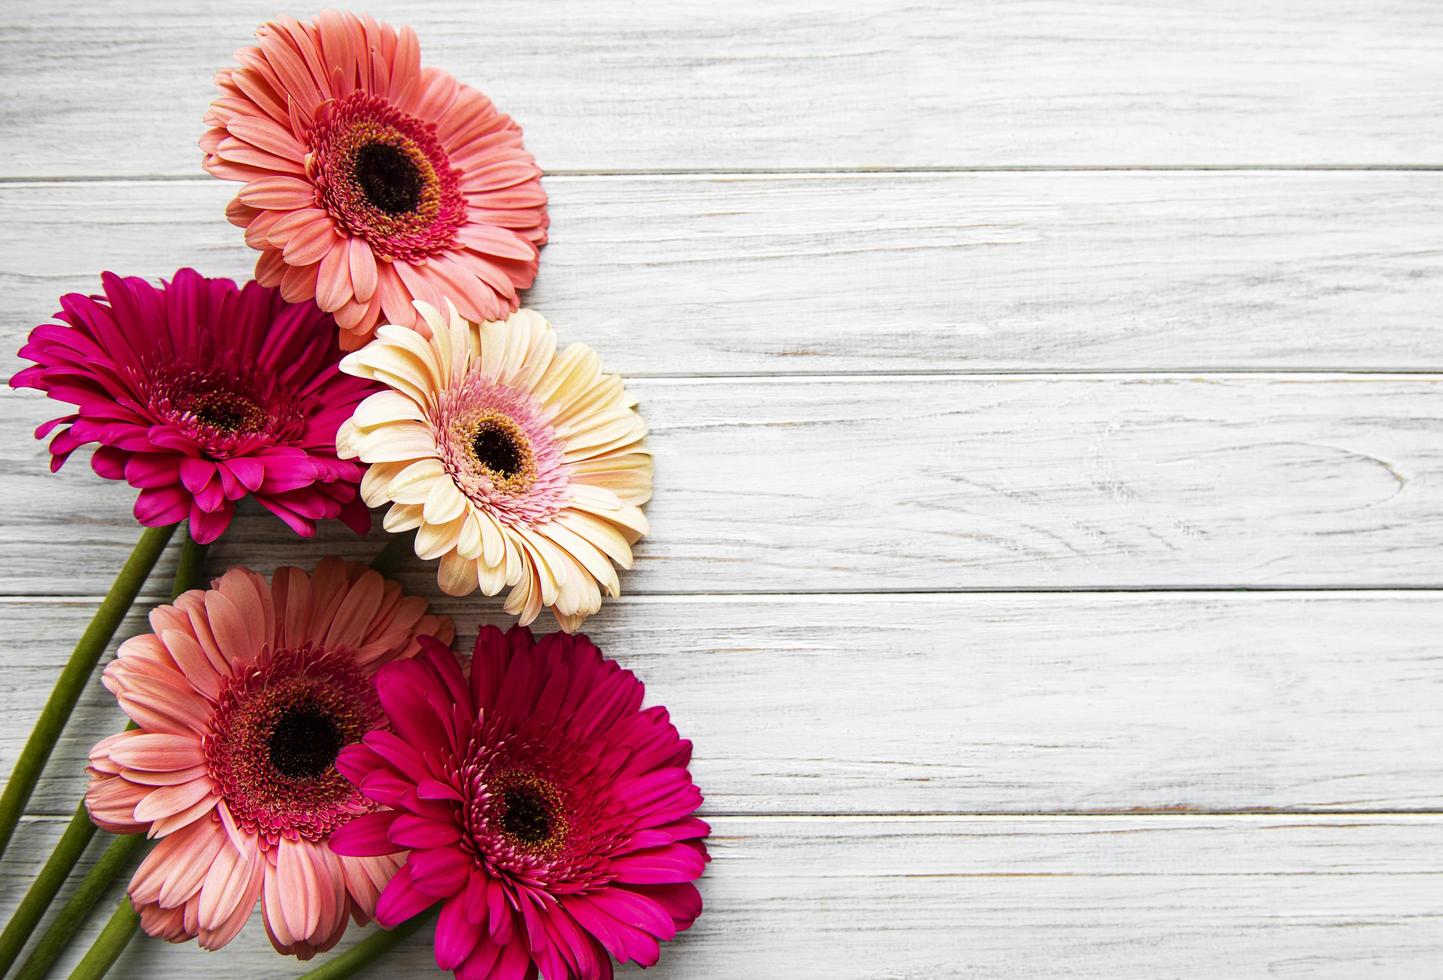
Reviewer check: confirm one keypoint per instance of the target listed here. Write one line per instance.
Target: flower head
(549, 813)
(200, 393)
(244, 695)
(371, 181)
(521, 466)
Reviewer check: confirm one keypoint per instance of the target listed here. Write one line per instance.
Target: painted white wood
(975, 703)
(929, 483)
(666, 84)
(1101, 897)
(883, 273)
(804, 606)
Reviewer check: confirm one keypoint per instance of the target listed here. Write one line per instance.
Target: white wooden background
(1049, 514)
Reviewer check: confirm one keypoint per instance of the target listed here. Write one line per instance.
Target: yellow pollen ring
(225, 410)
(500, 451)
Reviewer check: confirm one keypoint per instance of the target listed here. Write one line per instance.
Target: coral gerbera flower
(522, 466)
(244, 695)
(199, 394)
(543, 807)
(371, 181)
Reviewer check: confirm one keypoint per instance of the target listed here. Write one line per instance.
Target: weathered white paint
(882, 273)
(1096, 897)
(931, 483)
(976, 703)
(802, 606)
(121, 87)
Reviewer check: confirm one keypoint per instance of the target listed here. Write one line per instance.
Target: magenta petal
(109, 463)
(412, 831)
(442, 872)
(195, 474)
(159, 507)
(634, 910)
(400, 900)
(206, 526)
(152, 470)
(250, 472)
(456, 936)
(660, 866)
(681, 901)
(356, 761)
(365, 836)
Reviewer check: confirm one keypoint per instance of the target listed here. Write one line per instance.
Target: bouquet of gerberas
(308, 741)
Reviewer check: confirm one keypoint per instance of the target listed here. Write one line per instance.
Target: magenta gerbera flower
(200, 393)
(549, 813)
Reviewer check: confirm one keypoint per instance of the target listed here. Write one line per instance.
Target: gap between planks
(861, 171)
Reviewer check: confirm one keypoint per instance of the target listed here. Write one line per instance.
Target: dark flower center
(496, 449)
(226, 411)
(526, 815)
(305, 742)
(389, 178)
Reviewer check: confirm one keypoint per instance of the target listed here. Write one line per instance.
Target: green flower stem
(113, 861)
(76, 675)
(398, 549)
(109, 944)
(189, 573)
(365, 952)
(42, 890)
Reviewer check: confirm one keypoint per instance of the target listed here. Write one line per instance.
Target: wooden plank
(792, 83)
(979, 703)
(930, 484)
(881, 274)
(1326, 897)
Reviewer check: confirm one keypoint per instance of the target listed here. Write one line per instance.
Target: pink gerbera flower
(244, 695)
(371, 181)
(549, 814)
(199, 394)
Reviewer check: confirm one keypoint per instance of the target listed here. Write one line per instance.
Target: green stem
(361, 955)
(398, 549)
(190, 568)
(76, 675)
(113, 861)
(42, 890)
(109, 944)
(189, 573)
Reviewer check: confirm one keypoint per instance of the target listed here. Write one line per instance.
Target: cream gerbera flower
(519, 465)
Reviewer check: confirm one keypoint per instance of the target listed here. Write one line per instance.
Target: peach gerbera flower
(370, 180)
(244, 695)
(520, 465)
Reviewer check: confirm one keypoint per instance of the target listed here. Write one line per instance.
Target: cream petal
(413, 484)
(434, 540)
(444, 503)
(402, 517)
(456, 575)
(376, 484)
(396, 442)
(469, 544)
(386, 406)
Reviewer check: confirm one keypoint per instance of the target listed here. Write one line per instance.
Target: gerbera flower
(200, 393)
(371, 181)
(543, 807)
(520, 466)
(244, 695)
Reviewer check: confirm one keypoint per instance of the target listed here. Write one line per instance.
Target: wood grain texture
(794, 83)
(997, 703)
(1320, 897)
(932, 484)
(883, 273)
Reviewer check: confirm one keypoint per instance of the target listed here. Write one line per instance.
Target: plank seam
(862, 171)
